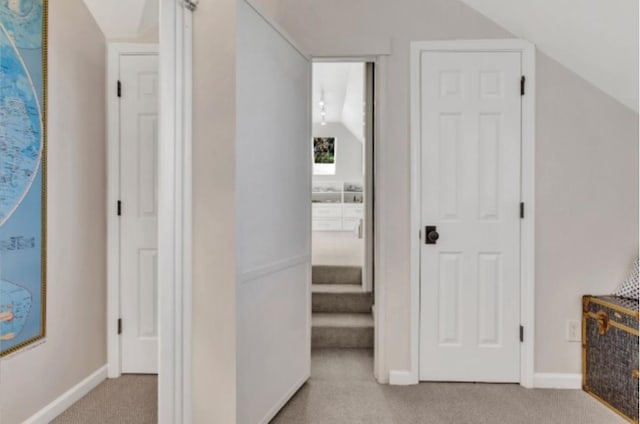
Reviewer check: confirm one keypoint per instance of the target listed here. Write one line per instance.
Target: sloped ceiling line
(124, 19)
(598, 40)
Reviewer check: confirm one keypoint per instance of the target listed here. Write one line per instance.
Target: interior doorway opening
(342, 204)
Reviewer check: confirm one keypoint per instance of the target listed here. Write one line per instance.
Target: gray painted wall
(587, 163)
(75, 346)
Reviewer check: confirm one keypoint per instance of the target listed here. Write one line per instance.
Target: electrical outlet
(574, 331)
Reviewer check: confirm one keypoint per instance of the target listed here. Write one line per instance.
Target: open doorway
(342, 205)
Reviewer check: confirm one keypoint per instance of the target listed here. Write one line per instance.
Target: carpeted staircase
(341, 310)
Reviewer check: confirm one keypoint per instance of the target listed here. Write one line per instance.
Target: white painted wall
(341, 86)
(75, 346)
(587, 178)
(349, 152)
(273, 218)
(330, 82)
(126, 20)
(598, 40)
(586, 155)
(214, 239)
(353, 110)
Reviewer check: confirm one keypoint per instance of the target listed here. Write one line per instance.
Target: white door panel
(273, 217)
(470, 164)
(138, 222)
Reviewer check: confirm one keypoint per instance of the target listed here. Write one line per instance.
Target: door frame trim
(175, 200)
(114, 52)
(175, 222)
(370, 184)
(527, 225)
(379, 59)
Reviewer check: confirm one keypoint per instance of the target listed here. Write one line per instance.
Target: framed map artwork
(23, 97)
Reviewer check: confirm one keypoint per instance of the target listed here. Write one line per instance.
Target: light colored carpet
(342, 390)
(130, 399)
(337, 248)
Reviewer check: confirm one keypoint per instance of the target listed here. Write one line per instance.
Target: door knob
(431, 234)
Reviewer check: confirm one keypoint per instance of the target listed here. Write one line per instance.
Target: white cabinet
(327, 225)
(353, 211)
(321, 210)
(337, 205)
(350, 224)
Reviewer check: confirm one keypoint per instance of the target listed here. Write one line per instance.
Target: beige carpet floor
(130, 399)
(342, 391)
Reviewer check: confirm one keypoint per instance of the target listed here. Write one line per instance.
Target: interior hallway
(342, 390)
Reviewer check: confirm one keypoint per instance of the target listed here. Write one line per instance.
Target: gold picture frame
(43, 250)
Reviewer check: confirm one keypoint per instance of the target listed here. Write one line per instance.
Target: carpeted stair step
(329, 274)
(340, 298)
(341, 330)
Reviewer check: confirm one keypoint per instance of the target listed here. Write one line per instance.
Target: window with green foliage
(324, 150)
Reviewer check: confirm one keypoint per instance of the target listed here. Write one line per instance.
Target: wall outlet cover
(574, 331)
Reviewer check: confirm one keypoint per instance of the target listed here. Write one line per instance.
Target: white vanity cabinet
(337, 206)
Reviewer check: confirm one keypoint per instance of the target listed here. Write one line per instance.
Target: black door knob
(431, 234)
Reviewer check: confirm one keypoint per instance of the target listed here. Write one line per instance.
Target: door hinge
(522, 84)
(521, 210)
(420, 234)
(191, 5)
(119, 89)
(119, 211)
(521, 334)
(119, 325)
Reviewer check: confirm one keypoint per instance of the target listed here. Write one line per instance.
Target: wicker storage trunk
(610, 353)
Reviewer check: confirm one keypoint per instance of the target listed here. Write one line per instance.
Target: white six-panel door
(139, 213)
(470, 132)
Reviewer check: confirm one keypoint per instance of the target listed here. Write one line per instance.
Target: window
(324, 156)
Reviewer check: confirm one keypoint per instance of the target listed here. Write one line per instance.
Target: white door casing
(139, 212)
(470, 123)
(174, 198)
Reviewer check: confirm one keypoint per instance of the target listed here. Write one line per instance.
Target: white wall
(596, 39)
(587, 180)
(273, 218)
(214, 261)
(587, 163)
(124, 19)
(354, 100)
(76, 297)
(349, 152)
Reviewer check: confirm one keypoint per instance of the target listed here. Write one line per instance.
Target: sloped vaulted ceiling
(340, 85)
(124, 19)
(596, 39)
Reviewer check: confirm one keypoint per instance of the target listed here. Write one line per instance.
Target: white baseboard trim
(557, 381)
(402, 378)
(71, 396)
(274, 411)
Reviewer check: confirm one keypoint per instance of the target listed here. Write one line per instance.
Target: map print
(14, 310)
(22, 149)
(20, 134)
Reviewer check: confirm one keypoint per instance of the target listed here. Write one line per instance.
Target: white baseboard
(402, 378)
(557, 381)
(274, 411)
(71, 396)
